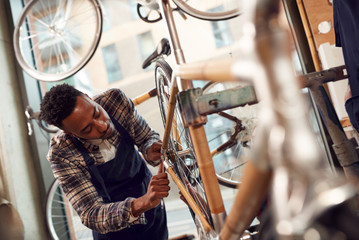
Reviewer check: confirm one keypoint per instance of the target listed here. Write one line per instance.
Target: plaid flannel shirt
(70, 170)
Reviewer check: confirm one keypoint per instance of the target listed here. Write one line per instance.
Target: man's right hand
(158, 188)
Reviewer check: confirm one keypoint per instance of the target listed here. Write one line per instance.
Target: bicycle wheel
(62, 220)
(185, 166)
(213, 10)
(54, 39)
(235, 124)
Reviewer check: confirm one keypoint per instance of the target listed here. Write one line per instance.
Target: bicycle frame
(217, 70)
(214, 71)
(285, 130)
(222, 70)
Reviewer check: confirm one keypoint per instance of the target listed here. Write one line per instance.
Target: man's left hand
(154, 152)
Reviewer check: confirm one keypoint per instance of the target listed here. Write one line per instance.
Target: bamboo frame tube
(189, 199)
(214, 152)
(206, 168)
(247, 201)
(169, 117)
(219, 70)
(176, 134)
(144, 97)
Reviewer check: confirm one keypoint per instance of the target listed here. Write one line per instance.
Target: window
(118, 12)
(112, 63)
(221, 31)
(222, 34)
(133, 8)
(146, 44)
(106, 23)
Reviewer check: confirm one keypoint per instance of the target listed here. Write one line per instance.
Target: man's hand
(158, 188)
(154, 152)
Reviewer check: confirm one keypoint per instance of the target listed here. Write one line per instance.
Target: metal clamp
(189, 107)
(329, 75)
(195, 106)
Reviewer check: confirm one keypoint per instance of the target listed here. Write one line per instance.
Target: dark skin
(90, 121)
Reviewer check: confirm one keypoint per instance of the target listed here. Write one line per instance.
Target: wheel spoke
(51, 29)
(61, 218)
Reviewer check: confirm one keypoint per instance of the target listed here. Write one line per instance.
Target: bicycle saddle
(163, 48)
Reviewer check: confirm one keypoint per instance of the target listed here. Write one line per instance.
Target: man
(95, 161)
(346, 26)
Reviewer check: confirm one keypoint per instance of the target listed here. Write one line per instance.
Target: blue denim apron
(346, 26)
(126, 176)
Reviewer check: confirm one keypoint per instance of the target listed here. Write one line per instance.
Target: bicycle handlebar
(31, 115)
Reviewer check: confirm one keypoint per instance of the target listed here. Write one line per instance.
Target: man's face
(88, 120)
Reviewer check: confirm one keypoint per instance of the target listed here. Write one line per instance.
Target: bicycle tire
(61, 219)
(148, 15)
(207, 10)
(48, 37)
(229, 163)
(185, 167)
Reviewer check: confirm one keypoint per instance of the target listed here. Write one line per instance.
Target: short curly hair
(58, 103)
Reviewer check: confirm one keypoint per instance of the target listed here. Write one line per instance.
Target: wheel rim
(185, 166)
(62, 220)
(47, 37)
(210, 10)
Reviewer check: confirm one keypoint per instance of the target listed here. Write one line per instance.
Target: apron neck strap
(91, 164)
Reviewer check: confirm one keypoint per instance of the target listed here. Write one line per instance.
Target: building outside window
(106, 24)
(146, 44)
(112, 63)
(117, 12)
(221, 31)
(222, 34)
(133, 8)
